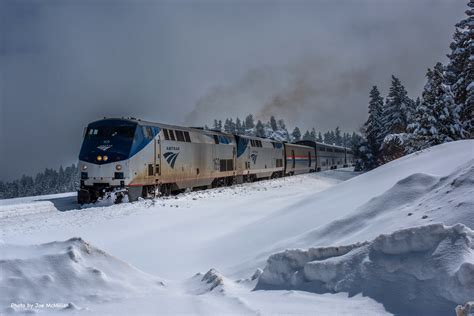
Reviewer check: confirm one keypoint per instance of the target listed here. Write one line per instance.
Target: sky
(66, 63)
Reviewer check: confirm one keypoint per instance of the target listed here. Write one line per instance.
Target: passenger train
(145, 159)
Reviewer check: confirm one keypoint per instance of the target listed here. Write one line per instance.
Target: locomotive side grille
(226, 165)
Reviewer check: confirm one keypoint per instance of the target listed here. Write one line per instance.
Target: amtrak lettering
(172, 148)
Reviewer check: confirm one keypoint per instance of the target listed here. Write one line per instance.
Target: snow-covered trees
(296, 134)
(436, 119)
(374, 128)
(48, 182)
(397, 110)
(259, 129)
(460, 72)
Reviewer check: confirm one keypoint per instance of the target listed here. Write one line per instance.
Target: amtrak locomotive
(144, 159)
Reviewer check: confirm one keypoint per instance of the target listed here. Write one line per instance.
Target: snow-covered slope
(70, 274)
(235, 230)
(425, 270)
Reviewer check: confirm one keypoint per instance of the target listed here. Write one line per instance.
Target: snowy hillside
(209, 248)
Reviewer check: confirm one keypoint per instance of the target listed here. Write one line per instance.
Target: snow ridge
(421, 270)
(68, 273)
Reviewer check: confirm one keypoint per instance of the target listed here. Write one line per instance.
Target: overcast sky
(66, 63)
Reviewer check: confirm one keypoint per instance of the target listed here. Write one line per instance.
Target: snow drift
(425, 270)
(68, 273)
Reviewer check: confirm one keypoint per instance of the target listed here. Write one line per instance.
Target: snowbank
(68, 274)
(424, 270)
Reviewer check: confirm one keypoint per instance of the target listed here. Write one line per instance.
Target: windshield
(110, 132)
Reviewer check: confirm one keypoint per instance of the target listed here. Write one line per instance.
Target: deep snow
(424, 270)
(235, 230)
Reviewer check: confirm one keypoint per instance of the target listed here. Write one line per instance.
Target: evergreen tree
(238, 126)
(460, 72)
(307, 135)
(249, 122)
(273, 123)
(337, 137)
(219, 125)
(216, 125)
(373, 127)
(313, 135)
(259, 129)
(396, 108)
(332, 137)
(281, 124)
(320, 138)
(296, 134)
(435, 121)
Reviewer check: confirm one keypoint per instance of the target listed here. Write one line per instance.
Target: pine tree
(249, 122)
(337, 136)
(395, 110)
(313, 134)
(307, 135)
(273, 123)
(238, 126)
(460, 72)
(296, 134)
(435, 121)
(373, 127)
(259, 129)
(216, 125)
(320, 138)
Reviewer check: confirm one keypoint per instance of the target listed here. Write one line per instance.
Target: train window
(179, 136)
(171, 132)
(259, 143)
(309, 159)
(186, 137)
(147, 132)
(165, 132)
(216, 139)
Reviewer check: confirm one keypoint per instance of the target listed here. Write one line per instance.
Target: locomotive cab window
(179, 136)
(165, 132)
(171, 133)
(186, 137)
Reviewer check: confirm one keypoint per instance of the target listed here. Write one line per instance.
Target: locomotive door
(157, 157)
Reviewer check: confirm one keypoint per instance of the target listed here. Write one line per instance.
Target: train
(140, 159)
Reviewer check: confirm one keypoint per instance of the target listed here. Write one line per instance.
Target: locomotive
(137, 158)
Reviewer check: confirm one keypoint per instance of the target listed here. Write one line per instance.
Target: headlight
(105, 158)
(99, 158)
(118, 167)
(84, 167)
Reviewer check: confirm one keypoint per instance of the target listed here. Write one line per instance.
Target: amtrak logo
(171, 158)
(253, 156)
(104, 147)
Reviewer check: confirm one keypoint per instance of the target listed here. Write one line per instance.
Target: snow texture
(425, 270)
(72, 272)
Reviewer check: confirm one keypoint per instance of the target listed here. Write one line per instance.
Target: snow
(432, 264)
(230, 233)
(71, 272)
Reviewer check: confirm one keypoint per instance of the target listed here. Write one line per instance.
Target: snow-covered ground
(204, 252)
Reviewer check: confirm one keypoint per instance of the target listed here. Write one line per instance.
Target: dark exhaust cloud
(66, 63)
